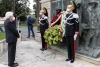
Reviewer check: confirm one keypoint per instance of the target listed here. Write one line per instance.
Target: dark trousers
(30, 28)
(11, 53)
(43, 40)
(70, 46)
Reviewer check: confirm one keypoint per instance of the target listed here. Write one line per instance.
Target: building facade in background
(47, 4)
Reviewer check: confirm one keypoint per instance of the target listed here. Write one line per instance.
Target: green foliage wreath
(53, 35)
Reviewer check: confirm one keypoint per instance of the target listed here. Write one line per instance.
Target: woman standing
(72, 30)
(43, 20)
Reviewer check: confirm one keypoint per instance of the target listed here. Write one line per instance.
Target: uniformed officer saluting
(43, 20)
(72, 30)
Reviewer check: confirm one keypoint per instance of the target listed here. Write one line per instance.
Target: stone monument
(89, 28)
(88, 42)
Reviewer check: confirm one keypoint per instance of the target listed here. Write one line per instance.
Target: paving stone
(3, 65)
(28, 54)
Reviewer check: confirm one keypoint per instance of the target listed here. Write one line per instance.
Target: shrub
(22, 17)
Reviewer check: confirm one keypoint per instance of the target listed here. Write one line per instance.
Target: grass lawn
(2, 35)
(2, 25)
(21, 25)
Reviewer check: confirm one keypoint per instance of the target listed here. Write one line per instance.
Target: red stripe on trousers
(45, 44)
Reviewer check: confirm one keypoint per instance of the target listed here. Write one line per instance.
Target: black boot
(14, 65)
(45, 48)
(72, 61)
(68, 59)
(42, 49)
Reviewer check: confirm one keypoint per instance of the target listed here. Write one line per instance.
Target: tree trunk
(37, 10)
(13, 6)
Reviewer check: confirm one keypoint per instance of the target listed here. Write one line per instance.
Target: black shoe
(45, 48)
(14, 65)
(33, 36)
(71, 61)
(42, 49)
(68, 59)
(28, 37)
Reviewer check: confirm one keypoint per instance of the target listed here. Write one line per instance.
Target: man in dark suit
(11, 38)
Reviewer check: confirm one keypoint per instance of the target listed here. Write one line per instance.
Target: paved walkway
(24, 31)
(29, 55)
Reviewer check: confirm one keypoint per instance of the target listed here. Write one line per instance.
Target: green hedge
(22, 17)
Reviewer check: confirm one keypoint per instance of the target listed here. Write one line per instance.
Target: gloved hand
(75, 36)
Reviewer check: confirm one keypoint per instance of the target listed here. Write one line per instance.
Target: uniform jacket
(43, 23)
(72, 24)
(11, 32)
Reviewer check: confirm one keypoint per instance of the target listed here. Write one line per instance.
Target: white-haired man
(11, 38)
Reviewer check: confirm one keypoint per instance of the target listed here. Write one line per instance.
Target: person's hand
(75, 36)
(51, 24)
